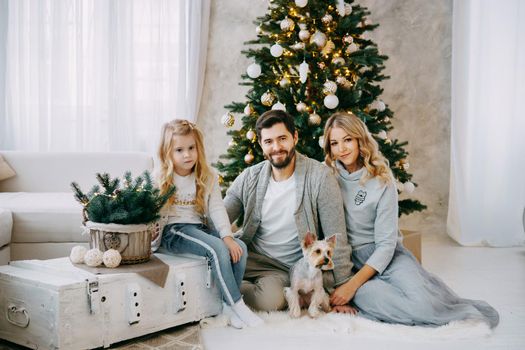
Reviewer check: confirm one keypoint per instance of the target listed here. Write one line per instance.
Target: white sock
(235, 321)
(246, 315)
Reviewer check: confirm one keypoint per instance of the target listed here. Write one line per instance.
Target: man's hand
(234, 248)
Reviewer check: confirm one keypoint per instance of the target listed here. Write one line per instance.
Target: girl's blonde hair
(369, 155)
(203, 174)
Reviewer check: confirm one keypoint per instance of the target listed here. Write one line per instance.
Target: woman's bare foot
(344, 309)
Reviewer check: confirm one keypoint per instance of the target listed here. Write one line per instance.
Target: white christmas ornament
(379, 105)
(348, 39)
(301, 107)
(382, 135)
(258, 30)
(304, 34)
(339, 61)
(93, 257)
(232, 143)
(321, 141)
(400, 186)
(77, 254)
(340, 8)
(297, 46)
(287, 24)
(318, 38)
(352, 48)
(409, 187)
(276, 50)
(301, 3)
(406, 166)
(248, 110)
(253, 70)
(303, 72)
(228, 120)
(331, 101)
(329, 87)
(279, 106)
(348, 9)
(111, 258)
(284, 82)
(250, 135)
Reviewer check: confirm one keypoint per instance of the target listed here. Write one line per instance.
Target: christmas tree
(312, 58)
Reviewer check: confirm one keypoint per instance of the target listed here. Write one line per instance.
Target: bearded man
(282, 199)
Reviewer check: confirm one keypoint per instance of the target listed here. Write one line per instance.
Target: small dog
(307, 279)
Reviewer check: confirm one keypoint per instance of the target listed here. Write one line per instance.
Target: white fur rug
(358, 326)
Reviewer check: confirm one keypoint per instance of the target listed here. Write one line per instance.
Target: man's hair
(272, 117)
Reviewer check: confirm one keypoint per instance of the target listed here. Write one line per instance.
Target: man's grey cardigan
(319, 206)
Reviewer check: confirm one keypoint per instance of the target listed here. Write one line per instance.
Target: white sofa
(39, 217)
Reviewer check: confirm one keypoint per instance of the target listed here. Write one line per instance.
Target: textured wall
(415, 34)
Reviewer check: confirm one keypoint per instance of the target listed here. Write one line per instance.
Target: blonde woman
(389, 284)
(197, 198)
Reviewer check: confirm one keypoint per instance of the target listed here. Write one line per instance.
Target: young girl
(198, 199)
(390, 285)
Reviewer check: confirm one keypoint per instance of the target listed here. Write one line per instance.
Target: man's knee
(266, 294)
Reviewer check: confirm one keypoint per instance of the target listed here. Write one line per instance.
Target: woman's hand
(234, 248)
(343, 294)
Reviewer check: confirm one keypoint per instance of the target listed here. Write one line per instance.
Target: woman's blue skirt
(406, 293)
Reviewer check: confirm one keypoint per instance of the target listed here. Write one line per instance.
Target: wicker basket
(132, 241)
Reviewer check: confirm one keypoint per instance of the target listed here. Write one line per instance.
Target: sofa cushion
(44, 217)
(6, 226)
(5, 170)
(54, 171)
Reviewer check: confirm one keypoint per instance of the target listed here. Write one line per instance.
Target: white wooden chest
(50, 304)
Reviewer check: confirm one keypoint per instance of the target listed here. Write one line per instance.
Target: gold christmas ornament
(287, 24)
(267, 98)
(314, 119)
(248, 158)
(348, 39)
(328, 48)
(221, 180)
(228, 120)
(329, 87)
(343, 82)
(326, 19)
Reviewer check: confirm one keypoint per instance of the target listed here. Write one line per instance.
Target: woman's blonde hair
(203, 174)
(369, 155)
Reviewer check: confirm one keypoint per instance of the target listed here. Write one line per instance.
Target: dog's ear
(308, 240)
(331, 240)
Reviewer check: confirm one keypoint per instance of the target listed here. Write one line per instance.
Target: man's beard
(285, 162)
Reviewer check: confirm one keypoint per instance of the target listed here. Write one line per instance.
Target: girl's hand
(234, 248)
(343, 294)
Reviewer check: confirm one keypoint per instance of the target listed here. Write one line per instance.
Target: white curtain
(487, 182)
(98, 75)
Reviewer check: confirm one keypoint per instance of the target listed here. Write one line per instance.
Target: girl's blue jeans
(200, 240)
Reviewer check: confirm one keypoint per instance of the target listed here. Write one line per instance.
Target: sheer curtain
(487, 183)
(97, 75)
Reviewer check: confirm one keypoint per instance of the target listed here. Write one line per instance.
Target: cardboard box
(412, 242)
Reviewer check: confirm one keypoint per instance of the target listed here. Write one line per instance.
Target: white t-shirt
(183, 210)
(277, 234)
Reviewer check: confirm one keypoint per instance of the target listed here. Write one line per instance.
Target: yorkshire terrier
(306, 277)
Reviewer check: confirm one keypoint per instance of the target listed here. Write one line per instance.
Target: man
(283, 198)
